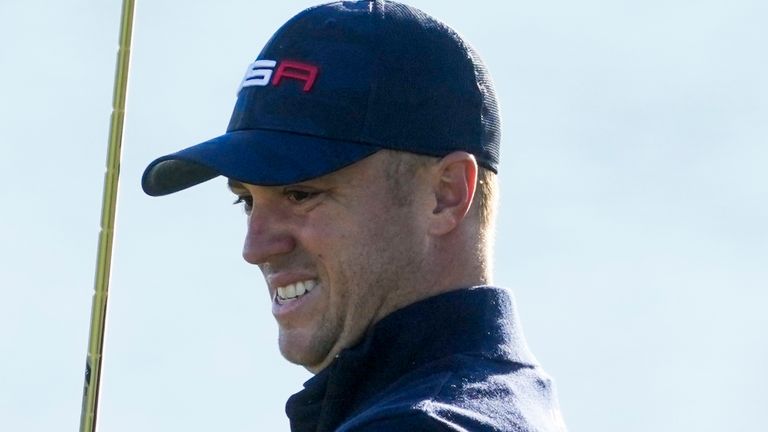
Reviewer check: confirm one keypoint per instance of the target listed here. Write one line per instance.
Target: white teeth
(295, 290)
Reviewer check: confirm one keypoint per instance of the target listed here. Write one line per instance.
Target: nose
(267, 236)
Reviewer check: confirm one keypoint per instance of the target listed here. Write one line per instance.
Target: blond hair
(403, 166)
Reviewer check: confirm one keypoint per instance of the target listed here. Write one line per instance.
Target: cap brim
(259, 157)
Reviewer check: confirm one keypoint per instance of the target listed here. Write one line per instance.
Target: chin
(301, 354)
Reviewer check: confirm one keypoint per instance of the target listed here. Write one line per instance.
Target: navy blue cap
(337, 83)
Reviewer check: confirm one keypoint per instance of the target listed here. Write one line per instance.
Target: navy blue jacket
(454, 362)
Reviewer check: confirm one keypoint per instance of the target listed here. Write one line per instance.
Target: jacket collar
(474, 321)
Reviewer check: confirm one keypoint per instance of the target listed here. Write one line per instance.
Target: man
(364, 145)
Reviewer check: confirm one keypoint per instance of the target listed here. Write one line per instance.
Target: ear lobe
(454, 183)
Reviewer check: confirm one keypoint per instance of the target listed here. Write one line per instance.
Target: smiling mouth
(294, 291)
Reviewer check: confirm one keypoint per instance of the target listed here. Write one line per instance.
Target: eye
(246, 201)
(299, 195)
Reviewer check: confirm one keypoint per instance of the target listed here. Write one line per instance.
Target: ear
(454, 179)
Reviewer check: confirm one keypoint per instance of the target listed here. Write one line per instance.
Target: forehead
(365, 171)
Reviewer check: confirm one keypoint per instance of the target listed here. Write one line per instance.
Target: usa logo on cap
(262, 73)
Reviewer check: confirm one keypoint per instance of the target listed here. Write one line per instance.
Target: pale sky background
(632, 226)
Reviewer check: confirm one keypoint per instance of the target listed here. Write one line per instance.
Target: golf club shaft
(106, 235)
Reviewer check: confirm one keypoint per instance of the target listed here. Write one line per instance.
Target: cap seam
(373, 88)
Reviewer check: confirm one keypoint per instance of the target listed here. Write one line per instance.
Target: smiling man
(364, 147)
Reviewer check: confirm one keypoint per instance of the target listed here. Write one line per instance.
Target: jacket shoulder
(464, 393)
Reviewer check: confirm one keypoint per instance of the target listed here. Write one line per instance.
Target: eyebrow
(235, 186)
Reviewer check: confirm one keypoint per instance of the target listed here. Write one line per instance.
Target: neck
(459, 260)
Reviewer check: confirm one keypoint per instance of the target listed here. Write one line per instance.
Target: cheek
(327, 235)
(354, 249)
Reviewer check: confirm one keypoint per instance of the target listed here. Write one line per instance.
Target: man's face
(337, 253)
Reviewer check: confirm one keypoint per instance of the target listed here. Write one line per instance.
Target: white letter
(256, 75)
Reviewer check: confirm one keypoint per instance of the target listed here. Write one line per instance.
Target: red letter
(296, 70)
